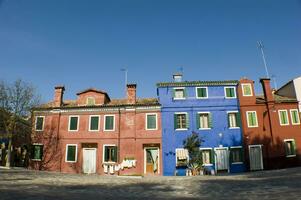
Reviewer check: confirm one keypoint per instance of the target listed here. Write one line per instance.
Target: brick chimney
(266, 86)
(58, 95)
(131, 93)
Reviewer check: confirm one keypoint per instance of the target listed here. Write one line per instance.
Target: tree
(16, 101)
(192, 143)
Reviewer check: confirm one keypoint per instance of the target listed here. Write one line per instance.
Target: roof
(278, 99)
(197, 83)
(91, 90)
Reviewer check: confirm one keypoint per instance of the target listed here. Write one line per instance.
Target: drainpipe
(58, 139)
(118, 147)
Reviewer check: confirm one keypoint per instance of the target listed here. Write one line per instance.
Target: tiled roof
(198, 83)
(278, 99)
(91, 89)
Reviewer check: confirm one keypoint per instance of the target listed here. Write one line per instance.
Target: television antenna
(261, 47)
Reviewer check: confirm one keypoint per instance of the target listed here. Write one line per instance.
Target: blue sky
(84, 44)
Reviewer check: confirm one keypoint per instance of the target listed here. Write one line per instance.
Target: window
(71, 153)
(236, 155)
(233, 119)
(73, 123)
(207, 156)
(204, 120)
(252, 119)
(230, 92)
(109, 122)
(246, 89)
(179, 93)
(110, 153)
(283, 117)
(90, 101)
(182, 157)
(151, 121)
(37, 152)
(181, 121)
(295, 116)
(94, 123)
(201, 92)
(290, 147)
(39, 123)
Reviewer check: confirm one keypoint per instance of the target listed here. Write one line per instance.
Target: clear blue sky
(82, 43)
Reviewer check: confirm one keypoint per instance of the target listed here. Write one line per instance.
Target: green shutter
(198, 121)
(151, 122)
(210, 120)
(71, 150)
(227, 92)
(114, 154)
(294, 147)
(228, 115)
(73, 123)
(238, 119)
(286, 148)
(109, 123)
(212, 153)
(39, 123)
(199, 94)
(175, 121)
(173, 93)
(107, 153)
(94, 123)
(185, 92)
(187, 121)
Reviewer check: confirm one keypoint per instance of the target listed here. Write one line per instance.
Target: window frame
(199, 115)
(36, 120)
(241, 149)
(237, 113)
(291, 115)
(177, 88)
(66, 155)
(69, 123)
(279, 115)
(87, 101)
(104, 153)
(104, 123)
(150, 129)
(211, 155)
(247, 114)
(38, 144)
(196, 93)
(182, 129)
(243, 93)
(178, 149)
(225, 91)
(294, 144)
(90, 116)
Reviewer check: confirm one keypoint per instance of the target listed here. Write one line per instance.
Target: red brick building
(96, 134)
(271, 127)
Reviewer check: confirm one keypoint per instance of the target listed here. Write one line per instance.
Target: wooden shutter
(187, 120)
(238, 119)
(198, 121)
(114, 154)
(212, 156)
(294, 147)
(175, 121)
(185, 92)
(210, 120)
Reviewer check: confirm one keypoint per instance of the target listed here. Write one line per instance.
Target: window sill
(230, 97)
(70, 161)
(252, 126)
(201, 97)
(179, 98)
(108, 163)
(295, 124)
(207, 165)
(291, 156)
(109, 130)
(72, 130)
(151, 129)
(39, 130)
(237, 163)
(234, 127)
(36, 159)
(284, 124)
(182, 129)
(204, 129)
(93, 131)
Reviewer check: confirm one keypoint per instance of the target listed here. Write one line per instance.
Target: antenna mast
(125, 70)
(260, 46)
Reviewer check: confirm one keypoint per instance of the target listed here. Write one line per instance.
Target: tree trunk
(8, 164)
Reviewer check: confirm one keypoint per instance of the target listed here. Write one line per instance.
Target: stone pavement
(36, 185)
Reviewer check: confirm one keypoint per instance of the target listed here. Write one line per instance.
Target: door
(222, 159)
(151, 160)
(255, 154)
(89, 160)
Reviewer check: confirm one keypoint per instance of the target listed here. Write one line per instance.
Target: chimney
(131, 93)
(267, 89)
(58, 95)
(177, 77)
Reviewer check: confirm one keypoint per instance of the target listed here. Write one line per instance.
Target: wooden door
(89, 161)
(222, 159)
(255, 154)
(151, 160)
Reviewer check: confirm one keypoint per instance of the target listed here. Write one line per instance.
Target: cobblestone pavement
(36, 185)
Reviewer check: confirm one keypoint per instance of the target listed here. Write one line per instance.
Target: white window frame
(290, 140)
(37, 144)
(36, 120)
(279, 115)
(234, 111)
(178, 149)
(242, 87)
(146, 115)
(196, 93)
(87, 100)
(236, 147)
(249, 126)
(211, 149)
(69, 123)
(291, 114)
(177, 88)
(104, 123)
(104, 151)
(90, 116)
(209, 113)
(226, 93)
(67, 145)
(182, 129)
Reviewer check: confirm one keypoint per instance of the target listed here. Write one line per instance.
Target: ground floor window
(207, 156)
(110, 153)
(71, 153)
(236, 155)
(182, 157)
(290, 147)
(37, 152)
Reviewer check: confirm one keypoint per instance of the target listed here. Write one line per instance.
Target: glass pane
(94, 123)
(206, 156)
(38, 152)
(179, 93)
(109, 124)
(204, 120)
(202, 92)
(73, 123)
(71, 153)
(39, 123)
(247, 90)
(90, 101)
(151, 122)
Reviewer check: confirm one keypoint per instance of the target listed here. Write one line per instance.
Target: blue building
(208, 108)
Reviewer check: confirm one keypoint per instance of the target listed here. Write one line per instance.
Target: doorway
(89, 160)
(255, 154)
(151, 160)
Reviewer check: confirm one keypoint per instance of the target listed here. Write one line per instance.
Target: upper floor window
(233, 119)
(179, 93)
(94, 123)
(246, 89)
(39, 125)
(230, 92)
(151, 121)
(90, 101)
(109, 122)
(73, 123)
(295, 116)
(204, 120)
(290, 147)
(283, 117)
(110, 153)
(37, 152)
(201, 92)
(252, 119)
(236, 155)
(71, 153)
(181, 121)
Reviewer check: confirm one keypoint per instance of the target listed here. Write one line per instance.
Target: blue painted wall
(216, 104)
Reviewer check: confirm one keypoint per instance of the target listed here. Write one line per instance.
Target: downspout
(118, 147)
(58, 139)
